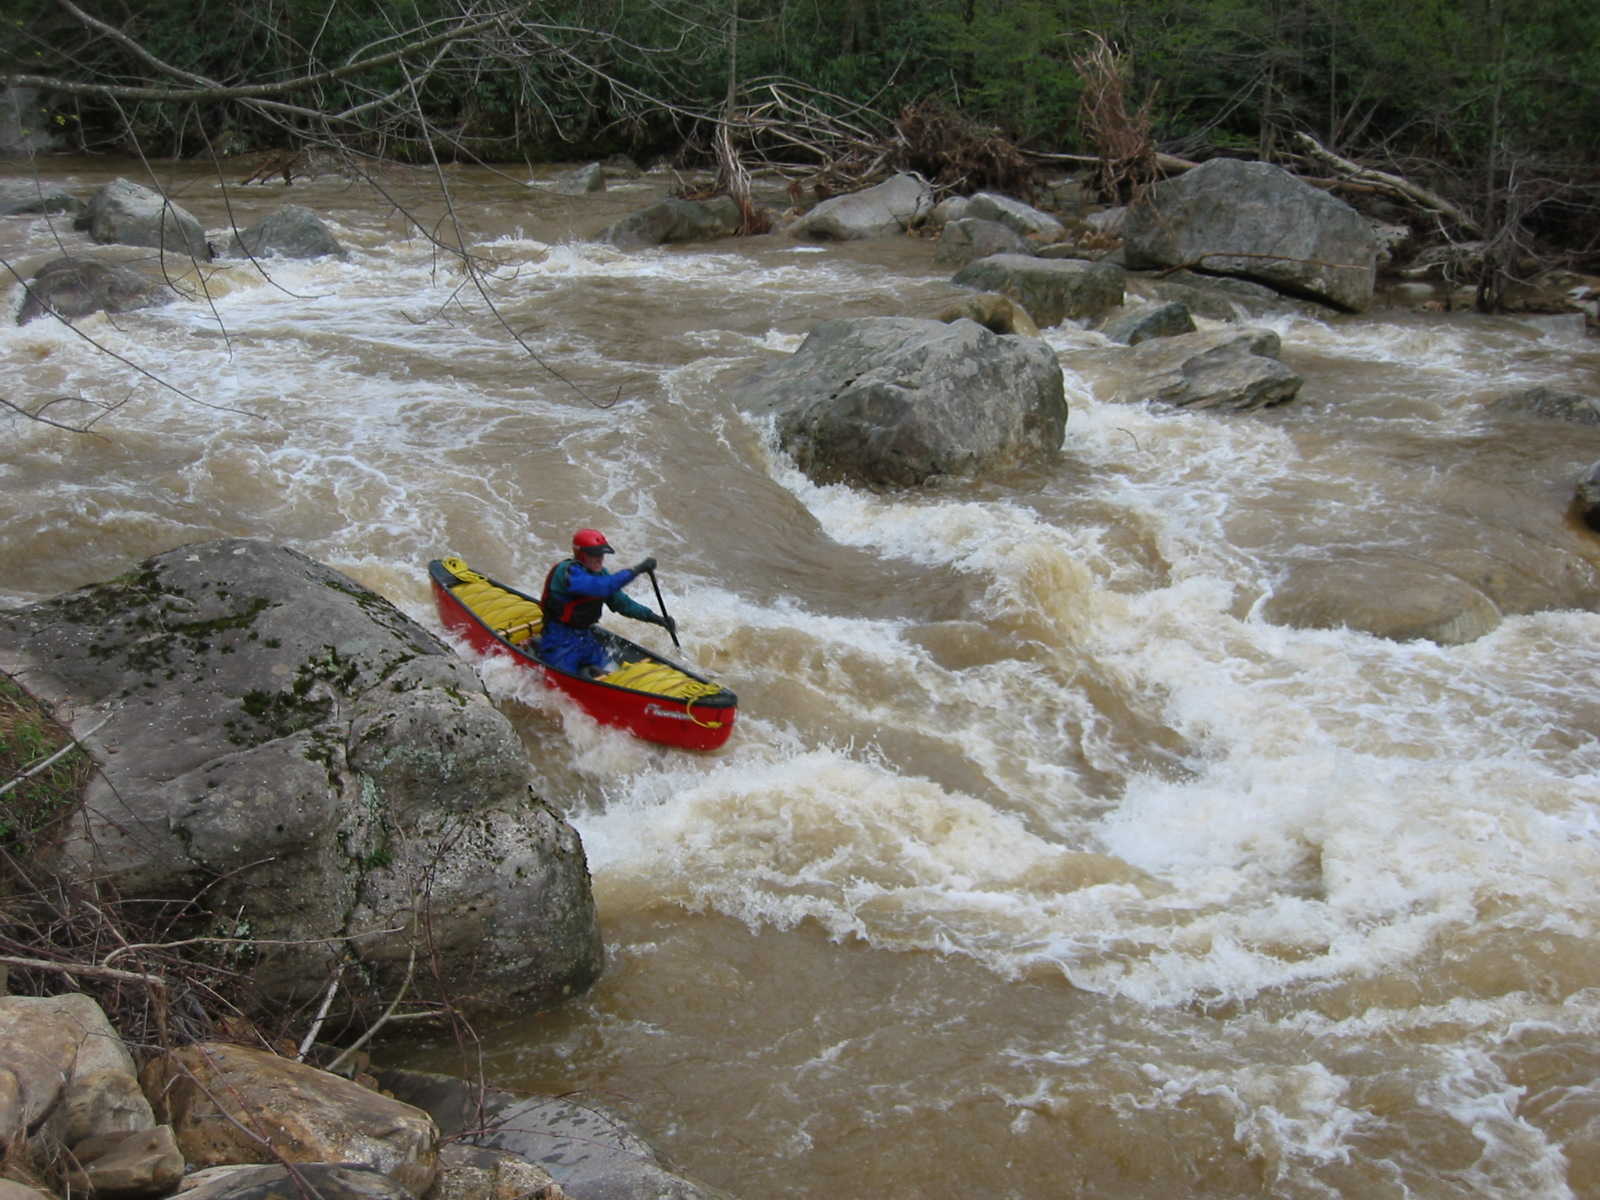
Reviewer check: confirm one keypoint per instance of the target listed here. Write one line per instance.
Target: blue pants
(568, 649)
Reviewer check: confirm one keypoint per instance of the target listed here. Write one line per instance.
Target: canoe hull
(703, 724)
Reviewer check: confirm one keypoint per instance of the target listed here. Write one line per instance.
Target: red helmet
(591, 541)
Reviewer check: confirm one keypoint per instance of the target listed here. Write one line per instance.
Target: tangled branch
(1127, 163)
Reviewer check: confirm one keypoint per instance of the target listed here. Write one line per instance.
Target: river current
(1041, 863)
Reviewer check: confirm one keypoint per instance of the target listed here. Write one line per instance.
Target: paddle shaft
(662, 605)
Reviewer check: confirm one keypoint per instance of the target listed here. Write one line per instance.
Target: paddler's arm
(608, 587)
(625, 604)
(602, 586)
(620, 602)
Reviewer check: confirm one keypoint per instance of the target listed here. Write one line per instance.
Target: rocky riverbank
(83, 1113)
(300, 795)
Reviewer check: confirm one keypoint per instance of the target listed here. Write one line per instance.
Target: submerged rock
(324, 1181)
(1588, 497)
(996, 313)
(1052, 290)
(582, 180)
(1219, 297)
(590, 1150)
(1142, 322)
(674, 220)
(1550, 404)
(75, 287)
(293, 231)
(20, 197)
(1383, 595)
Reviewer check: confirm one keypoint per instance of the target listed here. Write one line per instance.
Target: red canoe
(651, 697)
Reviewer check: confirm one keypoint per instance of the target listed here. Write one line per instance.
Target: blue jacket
(572, 591)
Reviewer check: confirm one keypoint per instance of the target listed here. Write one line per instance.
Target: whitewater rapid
(1039, 852)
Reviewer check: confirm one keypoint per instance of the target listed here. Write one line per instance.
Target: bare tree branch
(1394, 184)
(203, 90)
(87, 969)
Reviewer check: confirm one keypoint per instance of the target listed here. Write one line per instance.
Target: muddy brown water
(1041, 864)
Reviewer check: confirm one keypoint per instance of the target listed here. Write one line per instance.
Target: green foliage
(36, 798)
(1011, 66)
(1456, 82)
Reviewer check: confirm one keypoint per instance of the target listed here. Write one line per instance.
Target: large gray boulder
(1022, 219)
(675, 220)
(26, 197)
(130, 214)
(1257, 221)
(74, 287)
(292, 231)
(967, 238)
(1229, 369)
(890, 208)
(1052, 290)
(318, 774)
(897, 400)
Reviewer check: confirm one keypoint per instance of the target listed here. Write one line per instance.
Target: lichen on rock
(287, 749)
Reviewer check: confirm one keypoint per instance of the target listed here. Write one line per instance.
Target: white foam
(1313, 806)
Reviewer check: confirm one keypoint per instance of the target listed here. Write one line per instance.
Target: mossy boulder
(310, 772)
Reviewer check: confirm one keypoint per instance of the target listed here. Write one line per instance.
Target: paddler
(574, 592)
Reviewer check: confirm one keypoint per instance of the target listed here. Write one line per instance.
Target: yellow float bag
(660, 680)
(512, 617)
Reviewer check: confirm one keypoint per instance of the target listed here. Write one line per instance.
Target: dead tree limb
(1127, 163)
(1428, 201)
(88, 969)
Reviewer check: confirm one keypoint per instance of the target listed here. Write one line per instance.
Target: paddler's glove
(645, 567)
(668, 624)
